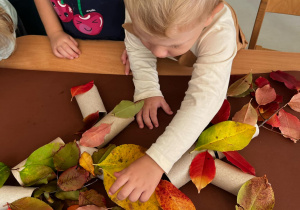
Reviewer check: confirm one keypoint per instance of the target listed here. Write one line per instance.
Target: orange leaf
(265, 95)
(202, 170)
(169, 197)
(223, 113)
(289, 125)
(95, 136)
(74, 207)
(246, 115)
(274, 121)
(81, 89)
(238, 160)
(86, 162)
(295, 102)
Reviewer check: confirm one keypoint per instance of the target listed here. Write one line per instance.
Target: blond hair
(6, 30)
(156, 17)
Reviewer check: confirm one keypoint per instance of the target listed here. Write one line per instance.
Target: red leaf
(95, 136)
(274, 121)
(267, 110)
(278, 99)
(81, 89)
(265, 95)
(238, 160)
(290, 81)
(169, 197)
(295, 102)
(89, 122)
(289, 125)
(261, 81)
(202, 170)
(72, 179)
(223, 113)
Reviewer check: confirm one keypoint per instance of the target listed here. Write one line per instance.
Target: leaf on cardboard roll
(202, 170)
(239, 161)
(290, 81)
(29, 203)
(44, 155)
(127, 109)
(86, 162)
(4, 173)
(169, 197)
(240, 86)
(256, 193)
(265, 95)
(91, 197)
(81, 88)
(295, 102)
(246, 115)
(120, 158)
(67, 156)
(95, 136)
(289, 125)
(223, 113)
(36, 174)
(72, 179)
(226, 136)
(88, 122)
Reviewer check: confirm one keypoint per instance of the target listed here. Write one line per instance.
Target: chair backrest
(289, 7)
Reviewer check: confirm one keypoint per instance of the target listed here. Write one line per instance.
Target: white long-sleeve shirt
(215, 49)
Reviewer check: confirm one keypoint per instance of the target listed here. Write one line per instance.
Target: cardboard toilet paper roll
(9, 194)
(90, 102)
(89, 150)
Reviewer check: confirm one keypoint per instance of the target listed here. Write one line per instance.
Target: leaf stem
(271, 115)
(279, 133)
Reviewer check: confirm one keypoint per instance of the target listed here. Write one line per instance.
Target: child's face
(176, 44)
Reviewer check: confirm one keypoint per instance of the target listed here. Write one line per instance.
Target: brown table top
(35, 108)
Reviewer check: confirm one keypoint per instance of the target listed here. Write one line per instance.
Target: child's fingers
(135, 195)
(57, 54)
(118, 184)
(166, 107)
(153, 115)
(73, 40)
(124, 57)
(73, 47)
(127, 68)
(125, 191)
(63, 52)
(146, 118)
(146, 195)
(69, 50)
(139, 119)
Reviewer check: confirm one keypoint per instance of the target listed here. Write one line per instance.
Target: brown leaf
(289, 125)
(246, 115)
(265, 95)
(81, 89)
(295, 102)
(91, 197)
(72, 179)
(95, 136)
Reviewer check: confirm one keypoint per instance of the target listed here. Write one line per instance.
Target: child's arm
(62, 44)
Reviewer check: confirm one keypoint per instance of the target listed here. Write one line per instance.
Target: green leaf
(4, 173)
(29, 203)
(256, 193)
(50, 187)
(91, 197)
(240, 86)
(67, 157)
(72, 179)
(247, 92)
(100, 155)
(44, 155)
(36, 174)
(226, 136)
(70, 195)
(127, 109)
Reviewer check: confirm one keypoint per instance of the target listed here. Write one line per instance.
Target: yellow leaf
(120, 158)
(86, 162)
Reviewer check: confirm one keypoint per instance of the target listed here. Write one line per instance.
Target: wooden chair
(289, 7)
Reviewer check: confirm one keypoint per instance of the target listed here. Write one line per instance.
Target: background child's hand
(125, 61)
(139, 180)
(63, 45)
(148, 114)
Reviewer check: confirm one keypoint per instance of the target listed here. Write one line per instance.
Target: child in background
(203, 29)
(65, 20)
(8, 26)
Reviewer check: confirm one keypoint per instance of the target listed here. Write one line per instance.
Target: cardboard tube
(89, 150)
(90, 102)
(9, 194)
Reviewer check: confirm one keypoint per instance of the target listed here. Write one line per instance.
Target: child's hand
(63, 45)
(139, 180)
(148, 114)
(125, 61)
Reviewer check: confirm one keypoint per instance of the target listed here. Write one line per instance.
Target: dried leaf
(256, 193)
(295, 102)
(67, 156)
(89, 122)
(81, 89)
(265, 95)
(44, 155)
(261, 81)
(120, 158)
(238, 160)
(29, 203)
(202, 170)
(4, 173)
(169, 197)
(127, 109)
(240, 86)
(92, 207)
(267, 111)
(246, 115)
(72, 179)
(95, 136)
(289, 125)
(223, 113)
(290, 81)
(226, 136)
(91, 197)
(86, 162)
(36, 174)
